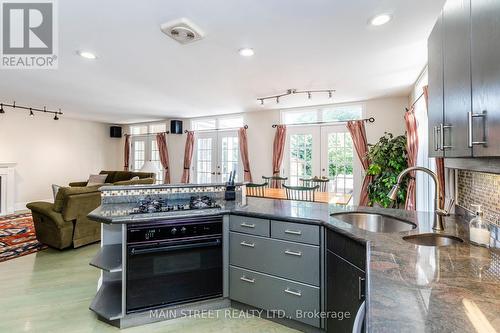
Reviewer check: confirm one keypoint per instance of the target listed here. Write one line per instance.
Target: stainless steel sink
(375, 222)
(433, 239)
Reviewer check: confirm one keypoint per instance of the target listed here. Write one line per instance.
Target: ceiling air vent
(182, 30)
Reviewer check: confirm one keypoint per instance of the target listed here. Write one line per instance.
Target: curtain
(188, 157)
(126, 153)
(243, 141)
(358, 134)
(412, 149)
(161, 141)
(278, 148)
(439, 160)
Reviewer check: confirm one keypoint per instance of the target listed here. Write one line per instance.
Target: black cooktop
(158, 205)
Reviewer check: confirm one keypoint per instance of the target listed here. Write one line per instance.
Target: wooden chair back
(256, 190)
(275, 181)
(322, 183)
(300, 193)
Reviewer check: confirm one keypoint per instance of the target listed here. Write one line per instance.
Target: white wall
(54, 152)
(388, 114)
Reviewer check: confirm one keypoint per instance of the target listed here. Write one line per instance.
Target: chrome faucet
(439, 213)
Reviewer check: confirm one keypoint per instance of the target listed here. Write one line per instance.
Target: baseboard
(21, 206)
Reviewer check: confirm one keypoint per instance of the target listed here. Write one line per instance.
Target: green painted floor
(50, 291)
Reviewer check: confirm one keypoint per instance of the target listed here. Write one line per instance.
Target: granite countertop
(410, 288)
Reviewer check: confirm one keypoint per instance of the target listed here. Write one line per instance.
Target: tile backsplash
(480, 188)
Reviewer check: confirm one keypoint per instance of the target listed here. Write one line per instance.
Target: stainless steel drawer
(294, 261)
(249, 225)
(272, 293)
(295, 232)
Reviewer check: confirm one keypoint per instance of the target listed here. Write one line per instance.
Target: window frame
(319, 111)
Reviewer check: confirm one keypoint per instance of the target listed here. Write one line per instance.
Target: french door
(216, 155)
(145, 148)
(322, 151)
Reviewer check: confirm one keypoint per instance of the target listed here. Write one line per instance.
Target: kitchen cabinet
(485, 70)
(457, 78)
(436, 86)
(464, 80)
(345, 282)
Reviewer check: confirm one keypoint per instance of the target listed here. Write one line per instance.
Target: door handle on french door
(470, 117)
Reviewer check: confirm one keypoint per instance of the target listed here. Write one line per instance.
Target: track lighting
(30, 109)
(294, 92)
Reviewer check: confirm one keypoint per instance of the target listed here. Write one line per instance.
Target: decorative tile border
(480, 188)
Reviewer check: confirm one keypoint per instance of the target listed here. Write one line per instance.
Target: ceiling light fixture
(246, 52)
(31, 110)
(87, 55)
(294, 92)
(380, 20)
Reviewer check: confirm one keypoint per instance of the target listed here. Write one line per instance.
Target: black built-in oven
(173, 262)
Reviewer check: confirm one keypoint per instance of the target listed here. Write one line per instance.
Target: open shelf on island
(109, 258)
(108, 301)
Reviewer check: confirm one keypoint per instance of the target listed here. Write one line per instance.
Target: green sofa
(64, 223)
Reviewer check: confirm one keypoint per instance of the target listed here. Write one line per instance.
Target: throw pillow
(135, 178)
(97, 179)
(55, 189)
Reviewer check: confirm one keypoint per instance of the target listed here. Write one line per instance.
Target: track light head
(262, 102)
(31, 113)
(330, 94)
(56, 117)
(277, 100)
(1, 109)
(309, 95)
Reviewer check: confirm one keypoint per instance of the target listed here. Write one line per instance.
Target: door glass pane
(204, 160)
(139, 154)
(229, 157)
(155, 158)
(340, 162)
(301, 154)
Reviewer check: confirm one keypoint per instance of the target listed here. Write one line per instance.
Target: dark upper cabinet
(485, 70)
(457, 78)
(464, 80)
(435, 69)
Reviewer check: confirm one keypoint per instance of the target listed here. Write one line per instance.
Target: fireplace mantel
(7, 187)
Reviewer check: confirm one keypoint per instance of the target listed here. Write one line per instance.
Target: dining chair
(301, 193)
(256, 190)
(275, 181)
(322, 183)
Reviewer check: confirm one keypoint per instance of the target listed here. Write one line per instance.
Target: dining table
(325, 197)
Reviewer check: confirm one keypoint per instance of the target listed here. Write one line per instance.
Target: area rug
(17, 236)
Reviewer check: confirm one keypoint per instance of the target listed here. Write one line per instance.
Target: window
(340, 158)
(145, 148)
(301, 151)
(204, 160)
(328, 113)
(226, 122)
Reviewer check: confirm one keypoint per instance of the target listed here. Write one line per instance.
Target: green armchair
(64, 223)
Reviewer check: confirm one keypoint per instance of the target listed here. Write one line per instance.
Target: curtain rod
(217, 129)
(145, 134)
(415, 102)
(369, 120)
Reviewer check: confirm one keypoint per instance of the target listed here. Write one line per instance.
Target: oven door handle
(171, 248)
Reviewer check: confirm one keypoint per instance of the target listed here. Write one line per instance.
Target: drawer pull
(244, 278)
(293, 232)
(291, 292)
(293, 253)
(247, 244)
(246, 225)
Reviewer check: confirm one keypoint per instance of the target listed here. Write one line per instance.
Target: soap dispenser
(479, 229)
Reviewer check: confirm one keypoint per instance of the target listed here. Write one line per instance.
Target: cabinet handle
(246, 225)
(247, 244)
(360, 289)
(434, 132)
(295, 293)
(292, 253)
(442, 127)
(244, 278)
(470, 117)
(293, 232)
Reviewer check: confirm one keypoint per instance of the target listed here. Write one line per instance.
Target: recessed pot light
(246, 52)
(380, 19)
(87, 55)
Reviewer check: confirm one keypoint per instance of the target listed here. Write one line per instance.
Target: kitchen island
(408, 288)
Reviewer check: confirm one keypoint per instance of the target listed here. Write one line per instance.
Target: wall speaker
(115, 131)
(176, 126)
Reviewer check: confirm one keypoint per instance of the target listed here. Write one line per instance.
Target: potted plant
(388, 157)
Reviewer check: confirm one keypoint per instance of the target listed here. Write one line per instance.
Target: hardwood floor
(50, 291)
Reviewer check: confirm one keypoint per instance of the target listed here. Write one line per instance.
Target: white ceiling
(141, 74)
